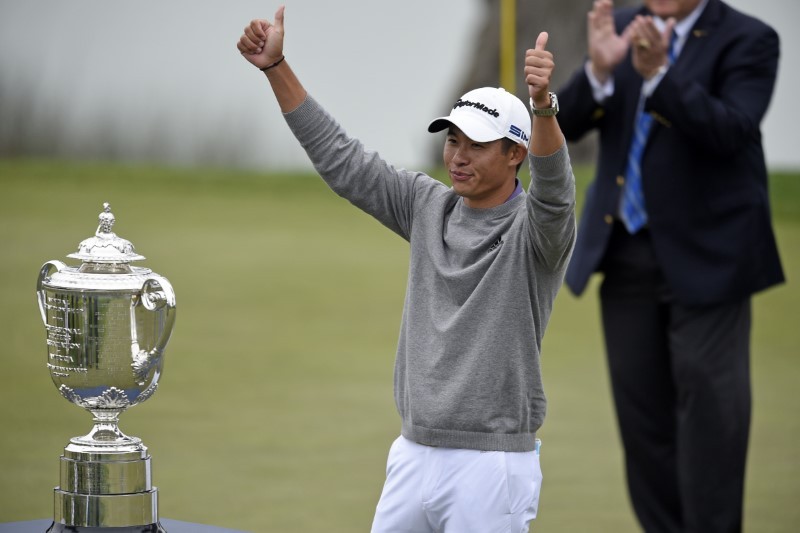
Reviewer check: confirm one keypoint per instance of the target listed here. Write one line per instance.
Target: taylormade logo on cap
(488, 114)
(477, 105)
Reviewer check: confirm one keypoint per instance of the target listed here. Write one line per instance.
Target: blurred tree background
(116, 81)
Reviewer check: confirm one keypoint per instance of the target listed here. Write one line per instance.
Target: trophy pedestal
(106, 488)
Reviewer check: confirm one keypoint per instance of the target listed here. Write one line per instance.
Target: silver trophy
(107, 324)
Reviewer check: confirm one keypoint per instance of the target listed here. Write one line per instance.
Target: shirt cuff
(600, 91)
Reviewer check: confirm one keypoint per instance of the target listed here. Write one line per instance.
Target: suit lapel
(703, 29)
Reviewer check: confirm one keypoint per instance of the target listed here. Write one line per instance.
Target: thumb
(541, 41)
(279, 18)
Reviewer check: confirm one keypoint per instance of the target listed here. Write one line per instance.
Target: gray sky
(164, 77)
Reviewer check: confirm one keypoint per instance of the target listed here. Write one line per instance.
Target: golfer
(486, 261)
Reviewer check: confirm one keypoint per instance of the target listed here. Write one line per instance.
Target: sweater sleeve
(357, 174)
(551, 209)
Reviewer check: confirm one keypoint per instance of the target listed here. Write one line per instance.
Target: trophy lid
(106, 246)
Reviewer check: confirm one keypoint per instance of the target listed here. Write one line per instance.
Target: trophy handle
(44, 273)
(157, 293)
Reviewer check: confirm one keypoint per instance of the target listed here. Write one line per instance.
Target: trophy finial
(106, 219)
(106, 246)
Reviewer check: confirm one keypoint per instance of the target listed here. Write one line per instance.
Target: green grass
(275, 411)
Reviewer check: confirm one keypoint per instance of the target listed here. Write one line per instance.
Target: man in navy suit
(678, 221)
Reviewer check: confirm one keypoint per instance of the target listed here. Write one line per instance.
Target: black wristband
(275, 64)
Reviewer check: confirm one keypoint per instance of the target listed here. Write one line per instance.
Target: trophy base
(105, 488)
(63, 528)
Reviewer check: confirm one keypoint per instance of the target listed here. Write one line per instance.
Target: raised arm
(546, 136)
(551, 212)
(262, 45)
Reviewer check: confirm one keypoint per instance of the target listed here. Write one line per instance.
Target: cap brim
(472, 128)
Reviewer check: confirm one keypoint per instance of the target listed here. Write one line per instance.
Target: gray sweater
(481, 286)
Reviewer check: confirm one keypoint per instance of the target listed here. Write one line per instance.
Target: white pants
(446, 490)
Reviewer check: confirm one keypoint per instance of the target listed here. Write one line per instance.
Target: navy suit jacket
(703, 170)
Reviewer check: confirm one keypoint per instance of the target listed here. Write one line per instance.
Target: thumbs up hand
(539, 67)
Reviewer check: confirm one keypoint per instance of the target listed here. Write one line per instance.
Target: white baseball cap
(488, 114)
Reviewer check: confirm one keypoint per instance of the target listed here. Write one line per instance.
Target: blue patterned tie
(632, 208)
